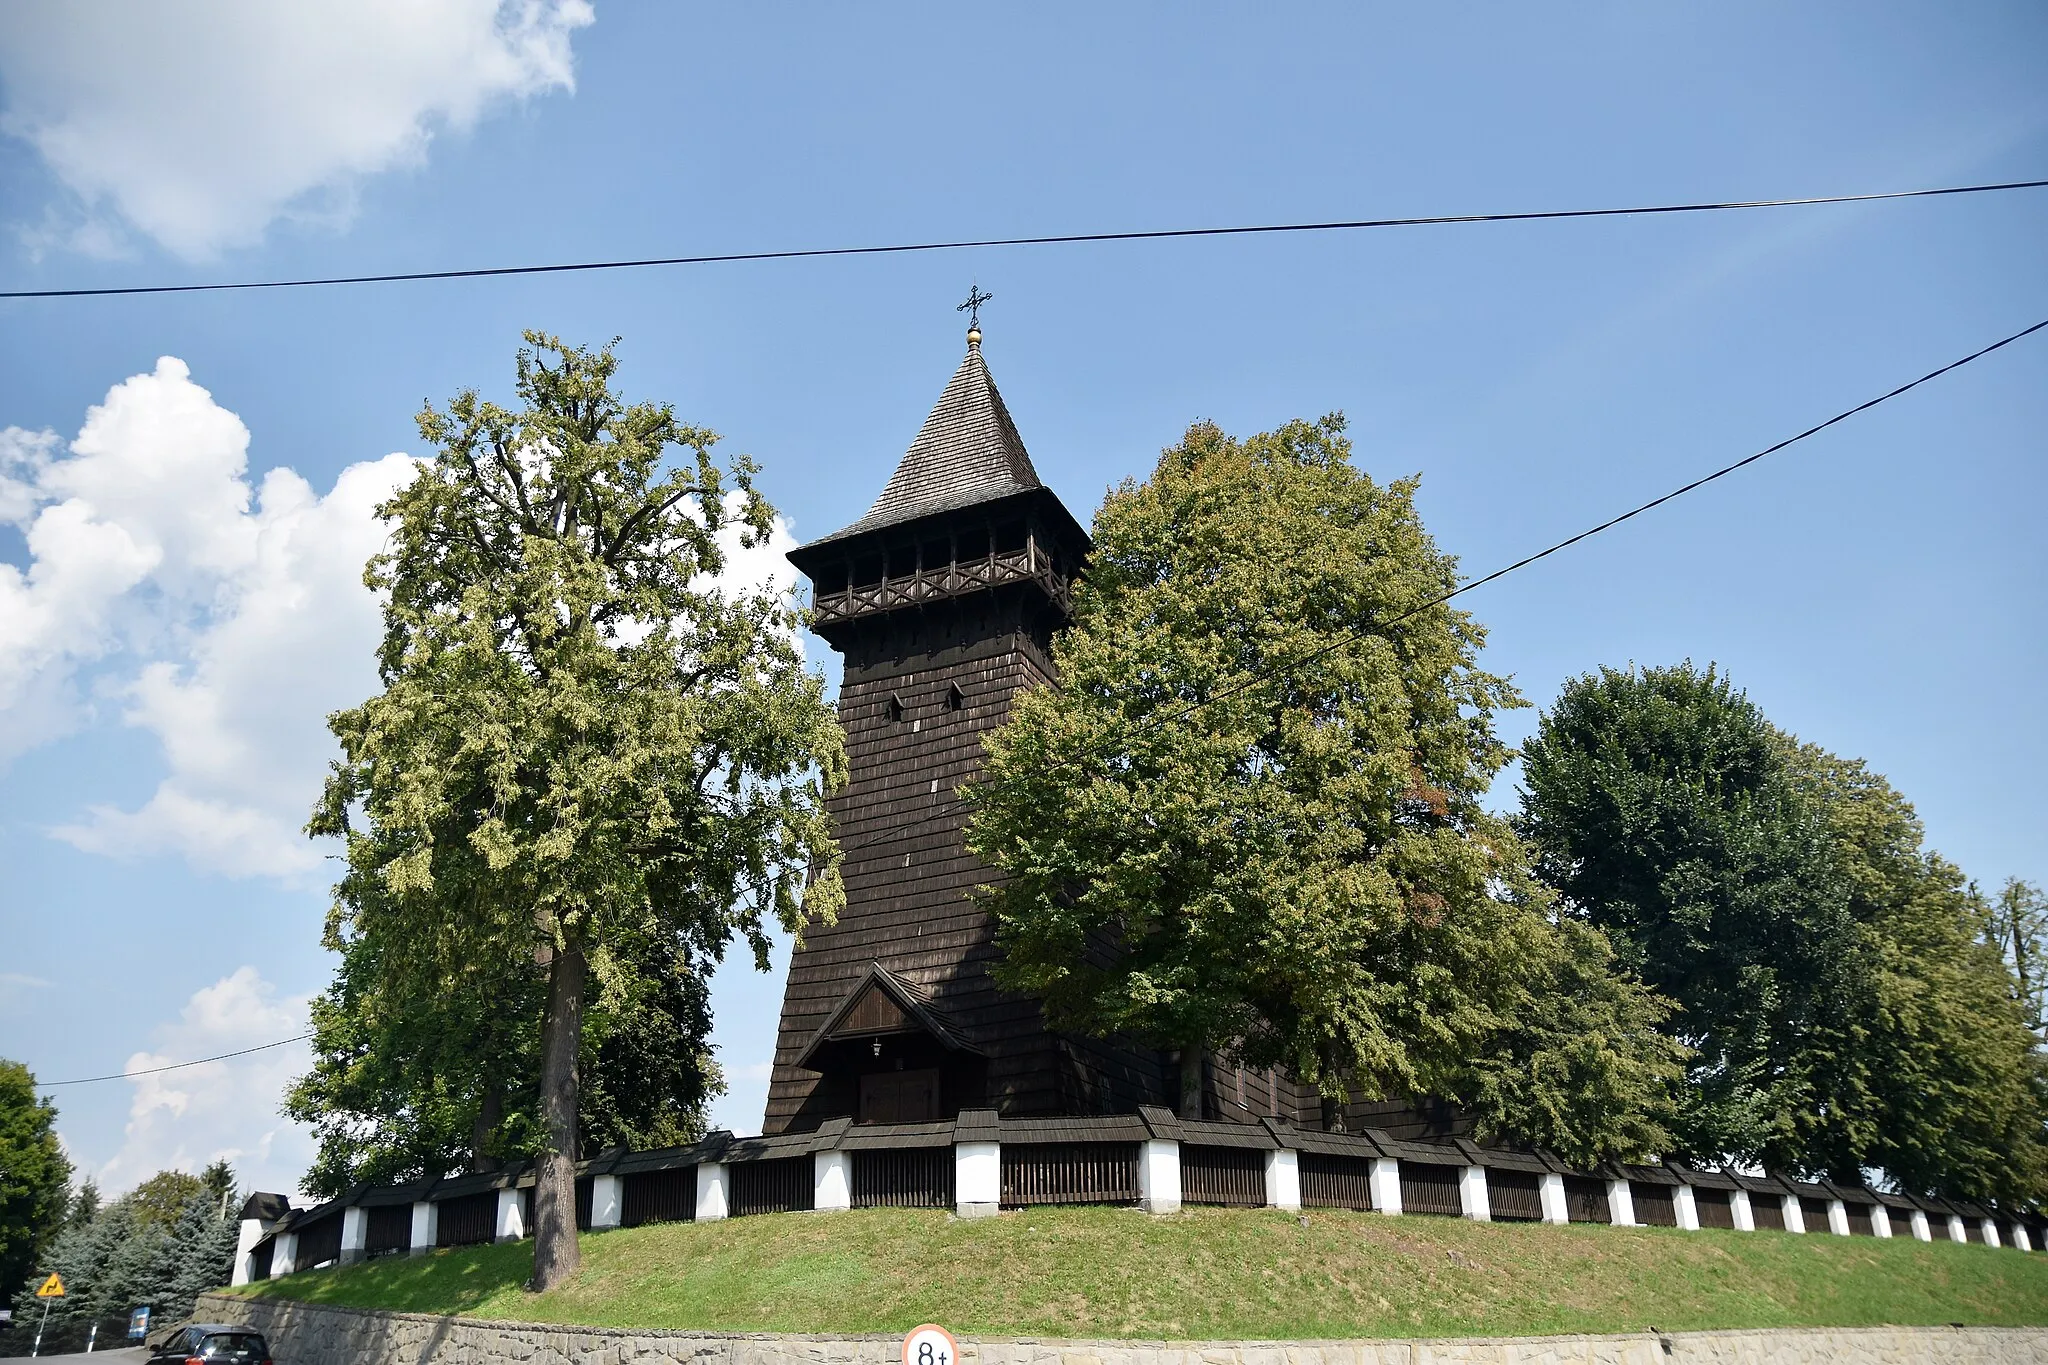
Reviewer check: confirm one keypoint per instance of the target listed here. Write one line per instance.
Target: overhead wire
(174, 1066)
(1054, 239)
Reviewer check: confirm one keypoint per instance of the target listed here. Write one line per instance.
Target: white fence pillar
(607, 1201)
(1159, 1175)
(1880, 1219)
(245, 1243)
(1956, 1231)
(831, 1180)
(1472, 1194)
(1795, 1213)
(1386, 1185)
(284, 1253)
(1739, 1210)
(1922, 1231)
(1550, 1194)
(1990, 1230)
(977, 1178)
(355, 1235)
(1838, 1218)
(511, 1224)
(711, 1201)
(1621, 1204)
(2020, 1238)
(1686, 1206)
(1283, 1179)
(426, 1228)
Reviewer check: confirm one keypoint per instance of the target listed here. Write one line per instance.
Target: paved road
(127, 1355)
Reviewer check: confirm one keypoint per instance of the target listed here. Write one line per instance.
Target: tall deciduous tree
(587, 755)
(2016, 927)
(1829, 972)
(34, 1176)
(1232, 827)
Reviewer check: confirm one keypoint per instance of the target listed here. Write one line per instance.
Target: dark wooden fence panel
(586, 1197)
(779, 1186)
(903, 1178)
(1860, 1224)
(259, 1260)
(1585, 1200)
(389, 1231)
(1815, 1211)
(1429, 1188)
(1767, 1211)
(1069, 1173)
(658, 1197)
(1656, 1205)
(1716, 1208)
(1335, 1182)
(1514, 1196)
(468, 1220)
(1234, 1176)
(319, 1242)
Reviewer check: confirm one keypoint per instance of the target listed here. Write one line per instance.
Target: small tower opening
(956, 700)
(893, 709)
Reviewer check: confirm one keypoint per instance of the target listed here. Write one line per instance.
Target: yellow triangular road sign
(53, 1288)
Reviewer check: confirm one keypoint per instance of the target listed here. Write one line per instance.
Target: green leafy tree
(2016, 927)
(1230, 828)
(411, 1072)
(34, 1178)
(1661, 809)
(587, 754)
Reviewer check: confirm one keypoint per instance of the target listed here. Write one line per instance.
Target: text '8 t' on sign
(930, 1344)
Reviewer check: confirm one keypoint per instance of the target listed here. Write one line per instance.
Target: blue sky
(1877, 590)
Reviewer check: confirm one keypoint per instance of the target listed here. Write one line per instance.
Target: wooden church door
(900, 1096)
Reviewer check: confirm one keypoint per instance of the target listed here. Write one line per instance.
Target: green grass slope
(1205, 1273)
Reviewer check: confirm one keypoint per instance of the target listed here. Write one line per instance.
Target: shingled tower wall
(943, 601)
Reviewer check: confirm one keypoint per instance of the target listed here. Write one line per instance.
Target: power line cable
(1069, 238)
(174, 1066)
(1344, 641)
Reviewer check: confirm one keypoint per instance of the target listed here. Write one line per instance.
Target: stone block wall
(310, 1334)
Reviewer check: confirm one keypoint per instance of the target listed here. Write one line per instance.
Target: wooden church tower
(943, 601)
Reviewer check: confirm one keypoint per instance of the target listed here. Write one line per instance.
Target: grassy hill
(1206, 1273)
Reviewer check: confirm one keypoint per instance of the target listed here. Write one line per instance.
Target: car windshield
(232, 1346)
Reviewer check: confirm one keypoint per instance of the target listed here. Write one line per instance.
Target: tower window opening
(893, 709)
(938, 554)
(956, 700)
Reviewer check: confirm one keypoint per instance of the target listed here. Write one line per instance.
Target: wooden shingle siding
(1514, 1196)
(1716, 1208)
(912, 1177)
(783, 1185)
(1232, 1176)
(389, 1230)
(1430, 1188)
(1585, 1200)
(467, 1219)
(1069, 1173)
(658, 1197)
(1656, 1205)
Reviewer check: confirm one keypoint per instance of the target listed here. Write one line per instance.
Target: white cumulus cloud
(184, 1119)
(226, 619)
(199, 124)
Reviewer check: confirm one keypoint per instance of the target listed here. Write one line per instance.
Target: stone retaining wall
(309, 1334)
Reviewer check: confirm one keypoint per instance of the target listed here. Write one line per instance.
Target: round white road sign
(930, 1344)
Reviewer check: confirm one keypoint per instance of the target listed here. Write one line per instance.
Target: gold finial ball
(974, 336)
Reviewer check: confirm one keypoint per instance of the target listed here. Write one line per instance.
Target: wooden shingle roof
(967, 452)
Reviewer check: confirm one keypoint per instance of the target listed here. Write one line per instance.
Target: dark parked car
(211, 1341)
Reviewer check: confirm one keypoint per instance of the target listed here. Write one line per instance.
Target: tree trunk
(490, 1112)
(556, 1253)
(1191, 1082)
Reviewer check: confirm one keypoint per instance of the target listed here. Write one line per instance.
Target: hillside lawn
(1203, 1273)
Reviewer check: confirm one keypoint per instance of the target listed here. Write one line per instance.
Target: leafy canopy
(1229, 826)
(590, 757)
(34, 1176)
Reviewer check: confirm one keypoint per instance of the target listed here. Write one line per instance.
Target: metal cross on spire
(975, 298)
